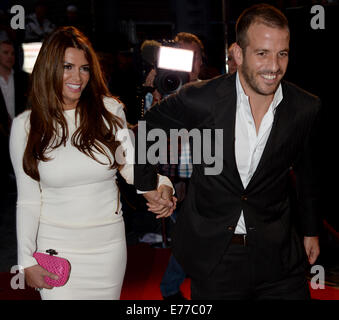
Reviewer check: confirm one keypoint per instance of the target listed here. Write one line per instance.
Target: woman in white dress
(63, 153)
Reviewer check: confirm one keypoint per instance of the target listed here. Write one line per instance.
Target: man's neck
(258, 102)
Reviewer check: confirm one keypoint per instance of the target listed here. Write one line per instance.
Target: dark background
(118, 27)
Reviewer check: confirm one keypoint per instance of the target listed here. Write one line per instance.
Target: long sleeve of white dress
(29, 196)
(30, 203)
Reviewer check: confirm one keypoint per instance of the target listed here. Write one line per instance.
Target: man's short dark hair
(189, 38)
(261, 13)
(8, 42)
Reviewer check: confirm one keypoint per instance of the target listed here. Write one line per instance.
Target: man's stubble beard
(250, 80)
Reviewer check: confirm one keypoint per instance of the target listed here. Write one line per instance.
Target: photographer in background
(231, 63)
(181, 172)
(183, 40)
(13, 87)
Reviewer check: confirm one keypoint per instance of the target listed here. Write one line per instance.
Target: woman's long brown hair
(48, 126)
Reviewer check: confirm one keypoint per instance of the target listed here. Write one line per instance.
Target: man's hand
(149, 82)
(161, 202)
(150, 78)
(312, 248)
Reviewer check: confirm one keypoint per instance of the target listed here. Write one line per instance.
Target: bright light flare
(31, 51)
(175, 59)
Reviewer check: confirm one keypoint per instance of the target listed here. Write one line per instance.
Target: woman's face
(76, 76)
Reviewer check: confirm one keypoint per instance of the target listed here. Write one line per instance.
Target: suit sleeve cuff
(162, 180)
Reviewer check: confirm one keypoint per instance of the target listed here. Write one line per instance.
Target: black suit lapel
(225, 115)
(17, 90)
(20, 91)
(280, 125)
(4, 116)
(2, 103)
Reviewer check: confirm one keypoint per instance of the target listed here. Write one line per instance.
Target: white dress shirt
(7, 88)
(249, 145)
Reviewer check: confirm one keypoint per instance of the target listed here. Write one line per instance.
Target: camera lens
(170, 82)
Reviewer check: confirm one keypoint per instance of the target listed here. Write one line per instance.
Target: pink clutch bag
(59, 266)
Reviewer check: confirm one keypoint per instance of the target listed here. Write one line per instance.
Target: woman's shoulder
(113, 105)
(23, 116)
(20, 126)
(22, 120)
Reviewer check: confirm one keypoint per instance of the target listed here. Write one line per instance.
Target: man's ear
(238, 54)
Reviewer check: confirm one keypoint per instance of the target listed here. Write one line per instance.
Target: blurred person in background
(73, 18)
(232, 64)
(38, 26)
(13, 95)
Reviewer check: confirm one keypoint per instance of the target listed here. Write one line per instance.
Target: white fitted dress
(73, 210)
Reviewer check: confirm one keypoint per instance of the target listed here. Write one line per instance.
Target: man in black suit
(13, 86)
(235, 237)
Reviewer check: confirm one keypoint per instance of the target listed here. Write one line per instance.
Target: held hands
(312, 249)
(161, 202)
(35, 277)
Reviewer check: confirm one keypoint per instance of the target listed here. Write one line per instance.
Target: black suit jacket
(20, 86)
(214, 203)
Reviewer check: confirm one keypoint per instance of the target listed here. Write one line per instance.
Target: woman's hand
(156, 204)
(35, 275)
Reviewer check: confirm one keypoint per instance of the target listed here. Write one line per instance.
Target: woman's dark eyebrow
(72, 64)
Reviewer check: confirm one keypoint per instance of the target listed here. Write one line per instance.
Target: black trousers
(232, 280)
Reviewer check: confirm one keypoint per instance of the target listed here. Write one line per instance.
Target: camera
(172, 64)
